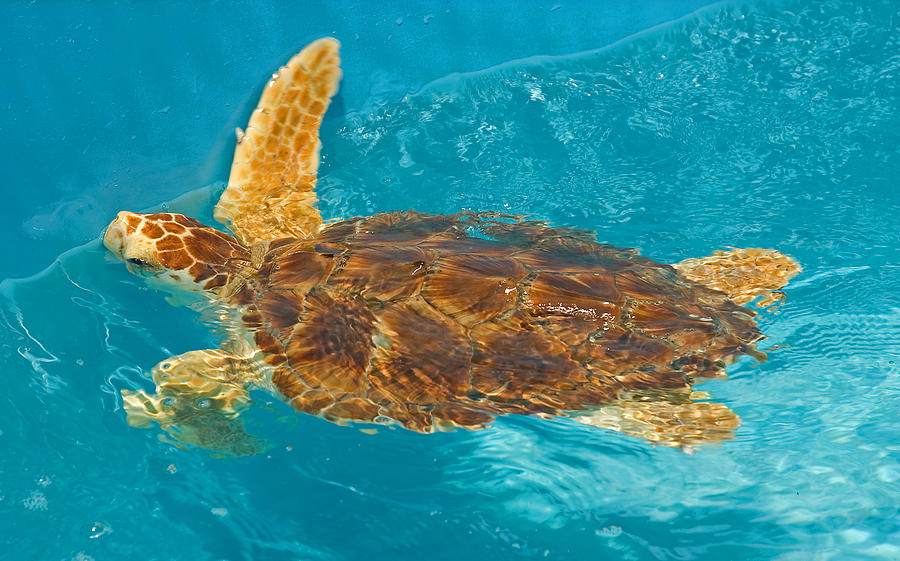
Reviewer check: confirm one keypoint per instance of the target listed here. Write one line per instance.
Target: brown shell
(439, 321)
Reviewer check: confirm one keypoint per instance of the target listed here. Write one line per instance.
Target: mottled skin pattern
(429, 321)
(189, 252)
(271, 189)
(727, 272)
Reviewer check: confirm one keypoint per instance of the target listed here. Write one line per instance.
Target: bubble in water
(219, 511)
(98, 529)
(610, 532)
(35, 501)
(405, 160)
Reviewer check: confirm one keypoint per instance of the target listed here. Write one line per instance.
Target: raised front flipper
(198, 400)
(271, 189)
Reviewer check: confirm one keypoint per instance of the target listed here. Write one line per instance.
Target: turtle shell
(448, 320)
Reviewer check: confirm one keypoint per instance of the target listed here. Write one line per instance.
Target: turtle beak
(114, 238)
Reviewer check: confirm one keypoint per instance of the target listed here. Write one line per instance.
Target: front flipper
(198, 400)
(271, 189)
(671, 419)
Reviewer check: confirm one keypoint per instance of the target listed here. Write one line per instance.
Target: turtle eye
(137, 262)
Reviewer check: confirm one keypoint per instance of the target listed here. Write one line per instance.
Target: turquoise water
(772, 125)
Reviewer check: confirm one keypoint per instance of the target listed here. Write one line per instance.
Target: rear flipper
(674, 420)
(743, 274)
(199, 398)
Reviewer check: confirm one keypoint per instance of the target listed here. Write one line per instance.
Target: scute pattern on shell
(437, 321)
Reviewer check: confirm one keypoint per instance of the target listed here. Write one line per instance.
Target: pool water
(761, 125)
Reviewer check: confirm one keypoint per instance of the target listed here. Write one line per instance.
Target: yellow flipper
(271, 189)
(674, 420)
(743, 274)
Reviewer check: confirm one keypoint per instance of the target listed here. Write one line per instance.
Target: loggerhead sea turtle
(428, 321)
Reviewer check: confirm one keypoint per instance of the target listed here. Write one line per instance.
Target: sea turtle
(428, 321)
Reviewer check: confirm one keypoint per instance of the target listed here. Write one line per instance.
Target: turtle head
(175, 251)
